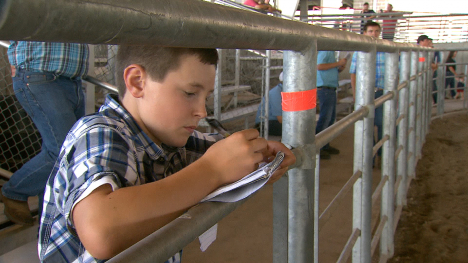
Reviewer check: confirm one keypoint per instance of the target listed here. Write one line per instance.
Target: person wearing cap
(425, 41)
(275, 112)
(327, 83)
(389, 24)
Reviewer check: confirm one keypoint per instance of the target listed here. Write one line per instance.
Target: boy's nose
(200, 110)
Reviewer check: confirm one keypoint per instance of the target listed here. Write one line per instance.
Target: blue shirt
(379, 69)
(327, 78)
(274, 104)
(65, 59)
(104, 148)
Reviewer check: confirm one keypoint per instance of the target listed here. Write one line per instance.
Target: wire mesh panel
(19, 138)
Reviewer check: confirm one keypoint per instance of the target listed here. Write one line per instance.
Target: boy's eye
(189, 93)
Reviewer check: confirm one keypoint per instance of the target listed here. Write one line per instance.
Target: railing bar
(379, 144)
(378, 190)
(402, 116)
(402, 85)
(398, 151)
(327, 213)
(396, 217)
(348, 248)
(380, 100)
(378, 234)
(397, 184)
(100, 83)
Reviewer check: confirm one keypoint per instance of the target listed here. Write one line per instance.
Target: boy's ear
(135, 80)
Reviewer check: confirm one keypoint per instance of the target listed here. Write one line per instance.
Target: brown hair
(157, 61)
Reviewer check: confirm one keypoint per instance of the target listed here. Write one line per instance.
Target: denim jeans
(378, 120)
(450, 81)
(327, 115)
(54, 104)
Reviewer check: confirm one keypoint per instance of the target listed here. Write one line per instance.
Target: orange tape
(422, 59)
(299, 101)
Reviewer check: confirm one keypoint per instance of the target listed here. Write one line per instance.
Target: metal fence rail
(201, 24)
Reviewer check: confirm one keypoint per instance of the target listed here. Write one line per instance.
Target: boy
(111, 185)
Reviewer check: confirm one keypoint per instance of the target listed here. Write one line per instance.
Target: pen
(215, 124)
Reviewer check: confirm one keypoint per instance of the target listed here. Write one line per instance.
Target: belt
(377, 89)
(325, 87)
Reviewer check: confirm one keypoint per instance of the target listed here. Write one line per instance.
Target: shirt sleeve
(321, 57)
(100, 156)
(352, 68)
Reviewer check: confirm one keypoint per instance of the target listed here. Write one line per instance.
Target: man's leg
(327, 100)
(54, 104)
(378, 120)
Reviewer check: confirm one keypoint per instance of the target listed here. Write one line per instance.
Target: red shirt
(250, 3)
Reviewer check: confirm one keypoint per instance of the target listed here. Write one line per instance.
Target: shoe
(17, 211)
(324, 155)
(332, 150)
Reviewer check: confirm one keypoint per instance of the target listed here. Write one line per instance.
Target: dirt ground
(434, 225)
(432, 228)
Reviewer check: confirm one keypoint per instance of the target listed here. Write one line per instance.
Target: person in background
(451, 73)
(389, 24)
(262, 5)
(372, 29)
(275, 112)
(327, 83)
(47, 83)
(434, 66)
(366, 18)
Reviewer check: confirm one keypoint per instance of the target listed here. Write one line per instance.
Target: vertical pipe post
(430, 73)
(412, 116)
(90, 88)
(363, 144)
(465, 97)
(237, 68)
(267, 92)
(388, 154)
(442, 87)
(419, 111)
(300, 69)
(217, 87)
(405, 66)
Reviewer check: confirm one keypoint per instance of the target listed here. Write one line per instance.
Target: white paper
(207, 238)
(247, 185)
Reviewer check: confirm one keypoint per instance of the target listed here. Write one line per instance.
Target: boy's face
(372, 31)
(170, 110)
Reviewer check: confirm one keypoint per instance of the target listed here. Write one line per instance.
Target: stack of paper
(247, 185)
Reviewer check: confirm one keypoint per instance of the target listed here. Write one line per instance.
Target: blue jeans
(327, 115)
(54, 104)
(378, 120)
(450, 81)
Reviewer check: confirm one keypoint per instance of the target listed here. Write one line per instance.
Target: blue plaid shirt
(65, 59)
(104, 148)
(379, 69)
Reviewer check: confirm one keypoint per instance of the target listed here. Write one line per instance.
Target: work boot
(332, 150)
(17, 211)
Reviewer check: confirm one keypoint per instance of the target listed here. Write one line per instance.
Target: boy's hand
(236, 156)
(289, 158)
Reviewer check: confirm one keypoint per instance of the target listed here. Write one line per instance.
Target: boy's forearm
(110, 221)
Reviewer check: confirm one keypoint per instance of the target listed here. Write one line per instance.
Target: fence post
(403, 100)
(267, 92)
(217, 87)
(412, 117)
(430, 73)
(442, 86)
(363, 144)
(300, 69)
(388, 154)
(465, 97)
(90, 88)
(419, 102)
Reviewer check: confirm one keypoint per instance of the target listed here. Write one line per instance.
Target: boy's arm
(327, 66)
(108, 222)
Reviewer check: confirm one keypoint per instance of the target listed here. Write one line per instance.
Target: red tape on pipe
(299, 100)
(422, 59)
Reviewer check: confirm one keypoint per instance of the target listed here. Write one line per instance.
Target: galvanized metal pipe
(217, 87)
(419, 107)
(388, 154)
(300, 71)
(441, 87)
(267, 92)
(169, 23)
(363, 143)
(405, 65)
(412, 116)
